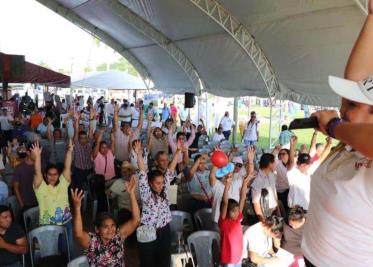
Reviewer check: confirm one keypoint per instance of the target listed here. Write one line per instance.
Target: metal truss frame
(158, 37)
(243, 37)
(363, 5)
(101, 35)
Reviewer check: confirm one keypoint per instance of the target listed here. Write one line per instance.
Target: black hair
(49, 167)
(275, 223)
(4, 208)
(160, 153)
(82, 133)
(103, 216)
(265, 160)
(197, 157)
(284, 127)
(103, 142)
(151, 177)
(232, 204)
(297, 213)
(180, 134)
(57, 130)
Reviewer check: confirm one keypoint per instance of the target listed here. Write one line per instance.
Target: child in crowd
(230, 224)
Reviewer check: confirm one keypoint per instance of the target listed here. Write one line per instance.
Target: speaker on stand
(189, 100)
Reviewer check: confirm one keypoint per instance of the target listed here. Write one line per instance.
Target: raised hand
(329, 141)
(137, 147)
(293, 140)
(36, 149)
(251, 150)
(131, 185)
(77, 196)
(70, 146)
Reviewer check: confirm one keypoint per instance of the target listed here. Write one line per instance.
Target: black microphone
(304, 123)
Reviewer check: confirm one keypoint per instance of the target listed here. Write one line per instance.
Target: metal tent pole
(235, 118)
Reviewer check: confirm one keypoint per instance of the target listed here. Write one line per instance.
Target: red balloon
(219, 159)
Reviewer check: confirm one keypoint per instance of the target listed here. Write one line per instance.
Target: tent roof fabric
(111, 79)
(40, 75)
(304, 41)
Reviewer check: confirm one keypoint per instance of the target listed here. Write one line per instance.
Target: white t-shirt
(251, 131)
(282, 182)
(135, 117)
(110, 109)
(255, 240)
(218, 137)
(240, 175)
(268, 182)
(218, 191)
(338, 230)
(4, 121)
(299, 188)
(125, 114)
(227, 123)
(183, 114)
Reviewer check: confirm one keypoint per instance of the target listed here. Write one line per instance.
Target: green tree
(88, 69)
(102, 67)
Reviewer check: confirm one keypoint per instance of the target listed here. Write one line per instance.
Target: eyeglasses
(239, 165)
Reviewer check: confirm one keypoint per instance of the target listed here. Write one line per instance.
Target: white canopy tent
(283, 49)
(112, 79)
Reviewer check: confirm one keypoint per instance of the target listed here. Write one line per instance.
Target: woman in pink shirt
(103, 156)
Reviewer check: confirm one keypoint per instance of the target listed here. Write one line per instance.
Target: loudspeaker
(189, 100)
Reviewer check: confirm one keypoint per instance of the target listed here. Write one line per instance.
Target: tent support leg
(235, 118)
(270, 123)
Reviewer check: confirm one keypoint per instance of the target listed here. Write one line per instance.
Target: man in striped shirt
(83, 144)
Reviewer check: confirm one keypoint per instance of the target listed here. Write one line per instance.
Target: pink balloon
(219, 159)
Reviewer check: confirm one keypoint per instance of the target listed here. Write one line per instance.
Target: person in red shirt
(230, 224)
(173, 111)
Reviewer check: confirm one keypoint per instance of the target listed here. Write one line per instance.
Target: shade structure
(284, 49)
(112, 79)
(37, 74)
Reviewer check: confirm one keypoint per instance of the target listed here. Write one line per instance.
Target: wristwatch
(330, 126)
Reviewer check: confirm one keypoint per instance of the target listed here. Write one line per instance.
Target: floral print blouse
(110, 255)
(155, 210)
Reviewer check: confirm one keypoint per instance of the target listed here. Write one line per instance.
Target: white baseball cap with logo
(361, 92)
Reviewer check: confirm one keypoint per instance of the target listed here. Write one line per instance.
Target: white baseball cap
(237, 160)
(361, 92)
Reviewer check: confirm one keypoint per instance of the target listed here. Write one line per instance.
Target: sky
(28, 28)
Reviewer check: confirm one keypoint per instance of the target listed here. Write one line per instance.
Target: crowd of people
(134, 166)
(321, 221)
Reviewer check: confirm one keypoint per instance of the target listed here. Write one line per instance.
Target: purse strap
(203, 189)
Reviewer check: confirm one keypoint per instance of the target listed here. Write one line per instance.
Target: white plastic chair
(203, 219)
(205, 246)
(81, 261)
(31, 219)
(180, 221)
(47, 237)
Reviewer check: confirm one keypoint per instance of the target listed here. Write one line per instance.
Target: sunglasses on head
(239, 165)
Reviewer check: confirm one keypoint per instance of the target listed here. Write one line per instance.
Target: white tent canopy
(112, 79)
(284, 49)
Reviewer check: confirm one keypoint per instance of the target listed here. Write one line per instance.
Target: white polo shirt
(255, 240)
(125, 114)
(268, 182)
(299, 187)
(282, 182)
(227, 123)
(338, 229)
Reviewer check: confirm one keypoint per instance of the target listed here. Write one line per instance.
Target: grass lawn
(304, 136)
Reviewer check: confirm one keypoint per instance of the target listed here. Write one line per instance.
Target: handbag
(147, 233)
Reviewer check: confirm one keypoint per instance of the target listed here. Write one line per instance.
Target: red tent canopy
(32, 74)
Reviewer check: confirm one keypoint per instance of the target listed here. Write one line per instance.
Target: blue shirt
(3, 191)
(198, 179)
(165, 113)
(285, 137)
